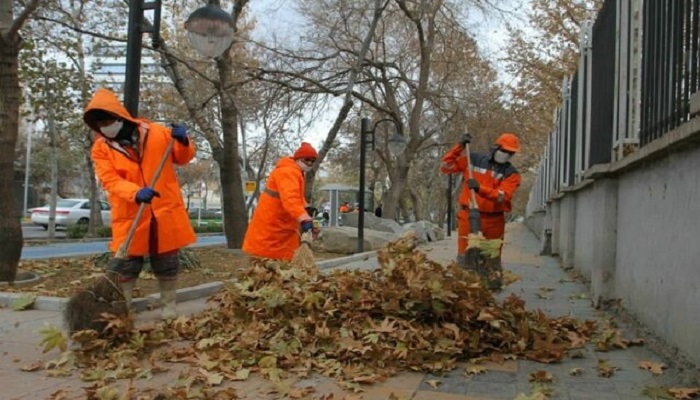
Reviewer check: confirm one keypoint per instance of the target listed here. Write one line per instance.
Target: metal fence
(670, 65)
(639, 65)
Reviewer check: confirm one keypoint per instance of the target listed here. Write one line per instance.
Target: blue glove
(473, 184)
(307, 226)
(145, 195)
(179, 133)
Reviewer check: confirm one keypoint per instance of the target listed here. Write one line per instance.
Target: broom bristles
(83, 310)
(304, 256)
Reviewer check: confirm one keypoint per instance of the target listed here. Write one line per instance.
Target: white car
(70, 212)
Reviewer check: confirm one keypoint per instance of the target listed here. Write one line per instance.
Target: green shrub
(77, 231)
(103, 232)
(209, 228)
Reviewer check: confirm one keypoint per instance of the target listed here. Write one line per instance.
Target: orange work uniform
(497, 184)
(123, 171)
(273, 231)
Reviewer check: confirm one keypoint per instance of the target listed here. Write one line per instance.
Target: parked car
(69, 212)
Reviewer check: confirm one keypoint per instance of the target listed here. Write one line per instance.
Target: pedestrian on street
(495, 181)
(281, 215)
(126, 153)
(378, 211)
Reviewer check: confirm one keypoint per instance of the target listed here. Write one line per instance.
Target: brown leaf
(35, 366)
(685, 393)
(434, 383)
(606, 369)
(655, 368)
(541, 376)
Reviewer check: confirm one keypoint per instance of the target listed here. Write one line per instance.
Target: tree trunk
(10, 226)
(399, 180)
(417, 206)
(95, 206)
(235, 217)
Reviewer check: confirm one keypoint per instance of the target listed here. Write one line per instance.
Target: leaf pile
(358, 326)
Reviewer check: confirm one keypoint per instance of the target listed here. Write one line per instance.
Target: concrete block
(695, 103)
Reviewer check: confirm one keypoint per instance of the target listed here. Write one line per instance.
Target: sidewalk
(543, 285)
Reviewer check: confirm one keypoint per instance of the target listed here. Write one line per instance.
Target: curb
(47, 303)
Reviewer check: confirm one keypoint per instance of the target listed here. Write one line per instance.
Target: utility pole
(27, 168)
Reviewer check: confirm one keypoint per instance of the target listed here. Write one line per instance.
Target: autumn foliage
(358, 326)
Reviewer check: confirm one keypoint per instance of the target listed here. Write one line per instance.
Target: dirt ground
(62, 277)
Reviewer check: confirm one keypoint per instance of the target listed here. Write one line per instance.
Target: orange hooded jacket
(497, 182)
(273, 231)
(122, 173)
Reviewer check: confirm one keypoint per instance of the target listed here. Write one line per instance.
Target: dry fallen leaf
(475, 370)
(685, 393)
(434, 383)
(575, 371)
(541, 376)
(655, 368)
(605, 369)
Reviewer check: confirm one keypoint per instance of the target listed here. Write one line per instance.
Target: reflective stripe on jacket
(497, 182)
(273, 231)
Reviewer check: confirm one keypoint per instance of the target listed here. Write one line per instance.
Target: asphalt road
(31, 231)
(75, 249)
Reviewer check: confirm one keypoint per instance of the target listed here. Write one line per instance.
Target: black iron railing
(573, 122)
(603, 84)
(670, 65)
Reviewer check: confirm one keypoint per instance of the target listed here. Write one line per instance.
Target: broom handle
(124, 248)
(471, 176)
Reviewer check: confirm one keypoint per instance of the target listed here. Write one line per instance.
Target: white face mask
(501, 157)
(303, 166)
(112, 129)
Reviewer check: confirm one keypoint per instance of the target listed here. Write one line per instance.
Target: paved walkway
(543, 285)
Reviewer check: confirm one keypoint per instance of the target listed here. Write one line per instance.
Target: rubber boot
(128, 291)
(495, 274)
(168, 296)
(462, 260)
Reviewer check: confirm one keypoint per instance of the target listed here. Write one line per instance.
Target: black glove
(473, 184)
(145, 195)
(307, 226)
(466, 138)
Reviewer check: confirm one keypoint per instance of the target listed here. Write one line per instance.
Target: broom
(303, 257)
(105, 295)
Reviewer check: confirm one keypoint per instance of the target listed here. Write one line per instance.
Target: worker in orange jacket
(281, 215)
(495, 181)
(126, 153)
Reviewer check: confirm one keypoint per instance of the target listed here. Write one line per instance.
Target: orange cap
(508, 142)
(305, 151)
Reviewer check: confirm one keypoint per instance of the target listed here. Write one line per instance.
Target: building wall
(633, 230)
(658, 247)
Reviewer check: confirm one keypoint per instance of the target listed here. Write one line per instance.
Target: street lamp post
(134, 44)
(397, 145)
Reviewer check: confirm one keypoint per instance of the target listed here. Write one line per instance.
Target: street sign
(250, 186)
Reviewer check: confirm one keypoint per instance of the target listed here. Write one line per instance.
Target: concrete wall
(567, 229)
(633, 229)
(657, 273)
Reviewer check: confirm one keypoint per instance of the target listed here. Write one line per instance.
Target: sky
(279, 18)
